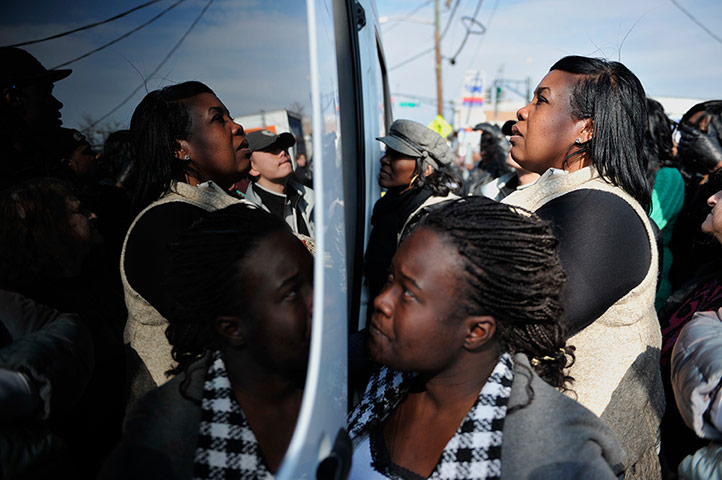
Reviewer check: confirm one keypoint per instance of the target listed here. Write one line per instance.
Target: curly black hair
(442, 180)
(513, 273)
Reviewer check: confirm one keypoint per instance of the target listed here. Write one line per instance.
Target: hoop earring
(413, 179)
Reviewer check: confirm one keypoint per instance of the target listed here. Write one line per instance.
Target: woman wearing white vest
(188, 152)
(584, 132)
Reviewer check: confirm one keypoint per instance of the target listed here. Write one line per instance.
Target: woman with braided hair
(584, 133)
(242, 285)
(468, 333)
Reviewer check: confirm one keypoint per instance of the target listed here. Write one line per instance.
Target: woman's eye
(219, 118)
(408, 293)
(540, 99)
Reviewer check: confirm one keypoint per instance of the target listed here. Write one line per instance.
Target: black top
(147, 256)
(390, 213)
(276, 204)
(603, 247)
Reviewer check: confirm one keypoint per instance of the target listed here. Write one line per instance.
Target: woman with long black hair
(584, 132)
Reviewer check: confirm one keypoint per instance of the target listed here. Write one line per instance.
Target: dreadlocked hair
(513, 273)
(206, 269)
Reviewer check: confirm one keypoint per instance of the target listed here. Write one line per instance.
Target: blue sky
(254, 52)
(669, 53)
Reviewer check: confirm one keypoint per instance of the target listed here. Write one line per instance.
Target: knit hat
(415, 140)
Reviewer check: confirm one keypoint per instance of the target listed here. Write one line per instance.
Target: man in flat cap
(29, 114)
(273, 187)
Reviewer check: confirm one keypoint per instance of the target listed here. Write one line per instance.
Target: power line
(451, 17)
(691, 17)
(116, 40)
(421, 54)
(396, 22)
(411, 59)
(86, 27)
(160, 65)
(481, 42)
(472, 20)
(451, 39)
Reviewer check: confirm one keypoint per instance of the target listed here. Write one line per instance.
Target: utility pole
(437, 43)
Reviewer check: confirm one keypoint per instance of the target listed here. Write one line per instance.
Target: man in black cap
(76, 156)
(272, 186)
(29, 114)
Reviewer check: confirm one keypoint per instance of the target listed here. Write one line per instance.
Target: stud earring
(188, 158)
(578, 140)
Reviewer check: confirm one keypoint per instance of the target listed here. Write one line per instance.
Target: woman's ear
(587, 130)
(182, 149)
(231, 329)
(479, 330)
(428, 171)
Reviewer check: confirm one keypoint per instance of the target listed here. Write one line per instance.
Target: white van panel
(324, 406)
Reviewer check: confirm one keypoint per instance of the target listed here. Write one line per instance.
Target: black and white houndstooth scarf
(227, 447)
(474, 452)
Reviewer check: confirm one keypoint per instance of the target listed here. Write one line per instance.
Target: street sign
(441, 126)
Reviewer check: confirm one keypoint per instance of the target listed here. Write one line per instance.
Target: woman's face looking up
(545, 130)
(216, 144)
(415, 324)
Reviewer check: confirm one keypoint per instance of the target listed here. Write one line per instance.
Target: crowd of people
(553, 313)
